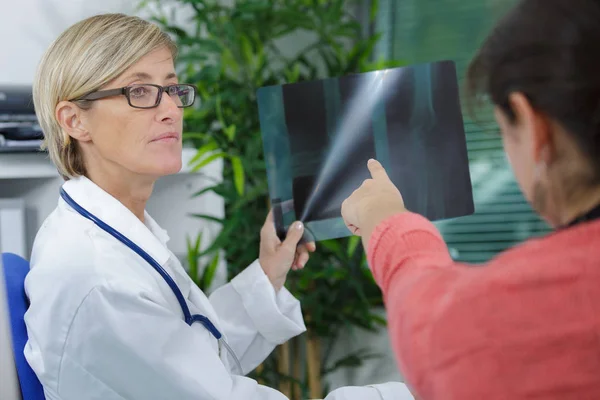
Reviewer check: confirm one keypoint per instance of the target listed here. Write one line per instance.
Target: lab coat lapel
(107, 208)
(197, 300)
(173, 265)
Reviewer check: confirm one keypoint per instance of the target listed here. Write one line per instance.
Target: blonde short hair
(84, 58)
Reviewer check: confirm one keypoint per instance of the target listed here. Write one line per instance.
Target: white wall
(29, 26)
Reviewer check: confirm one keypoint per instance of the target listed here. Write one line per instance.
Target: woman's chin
(172, 168)
(166, 167)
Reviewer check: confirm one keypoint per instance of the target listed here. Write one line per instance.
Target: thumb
(377, 171)
(294, 235)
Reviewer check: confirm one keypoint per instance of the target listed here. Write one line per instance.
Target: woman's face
(144, 142)
(518, 151)
(527, 145)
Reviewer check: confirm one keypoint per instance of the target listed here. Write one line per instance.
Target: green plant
(229, 52)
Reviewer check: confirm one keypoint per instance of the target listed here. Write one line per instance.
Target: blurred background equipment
(19, 129)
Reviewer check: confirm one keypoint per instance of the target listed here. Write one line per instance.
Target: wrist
(277, 283)
(376, 217)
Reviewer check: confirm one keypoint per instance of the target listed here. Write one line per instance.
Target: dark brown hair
(549, 50)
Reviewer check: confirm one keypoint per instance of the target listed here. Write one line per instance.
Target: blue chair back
(15, 270)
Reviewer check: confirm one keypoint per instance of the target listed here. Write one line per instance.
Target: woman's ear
(534, 126)
(70, 118)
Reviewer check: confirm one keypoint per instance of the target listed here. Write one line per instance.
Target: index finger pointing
(376, 169)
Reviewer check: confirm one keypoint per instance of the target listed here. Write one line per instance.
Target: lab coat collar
(149, 236)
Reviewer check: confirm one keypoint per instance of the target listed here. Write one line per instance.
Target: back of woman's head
(84, 58)
(548, 50)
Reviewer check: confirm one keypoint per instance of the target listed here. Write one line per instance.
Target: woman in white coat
(103, 323)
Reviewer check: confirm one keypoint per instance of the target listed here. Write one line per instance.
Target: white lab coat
(103, 324)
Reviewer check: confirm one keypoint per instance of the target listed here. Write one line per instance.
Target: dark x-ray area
(313, 126)
(319, 135)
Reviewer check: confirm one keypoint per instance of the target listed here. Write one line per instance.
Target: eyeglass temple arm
(102, 94)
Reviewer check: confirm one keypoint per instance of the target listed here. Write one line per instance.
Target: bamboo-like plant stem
(313, 358)
(283, 366)
(296, 369)
(259, 370)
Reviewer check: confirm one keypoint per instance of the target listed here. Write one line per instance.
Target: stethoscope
(187, 315)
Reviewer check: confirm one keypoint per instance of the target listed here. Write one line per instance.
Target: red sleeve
(411, 263)
(524, 325)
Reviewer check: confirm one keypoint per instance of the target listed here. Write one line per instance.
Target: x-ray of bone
(319, 135)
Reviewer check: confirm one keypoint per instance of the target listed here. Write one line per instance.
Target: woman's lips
(167, 137)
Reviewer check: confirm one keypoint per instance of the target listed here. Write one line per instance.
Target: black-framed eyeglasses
(147, 95)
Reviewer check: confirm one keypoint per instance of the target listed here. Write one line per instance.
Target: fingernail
(299, 225)
(371, 161)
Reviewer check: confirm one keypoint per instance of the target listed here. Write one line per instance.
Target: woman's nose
(169, 107)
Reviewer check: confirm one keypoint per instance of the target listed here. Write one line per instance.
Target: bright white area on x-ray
(356, 117)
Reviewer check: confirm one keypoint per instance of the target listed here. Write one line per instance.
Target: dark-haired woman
(527, 324)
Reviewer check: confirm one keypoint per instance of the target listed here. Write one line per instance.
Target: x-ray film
(319, 135)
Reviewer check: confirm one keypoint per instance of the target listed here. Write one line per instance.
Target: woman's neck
(577, 206)
(132, 190)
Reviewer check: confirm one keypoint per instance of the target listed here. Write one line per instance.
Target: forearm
(403, 239)
(411, 264)
(376, 218)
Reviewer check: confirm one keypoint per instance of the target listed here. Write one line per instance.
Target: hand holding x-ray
(277, 257)
(319, 135)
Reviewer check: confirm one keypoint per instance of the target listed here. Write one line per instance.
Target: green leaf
(293, 73)
(333, 246)
(223, 239)
(381, 64)
(352, 360)
(361, 52)
(208, 160)
(373, 10)
(194, 135)
(208, 218)
(247, 49)
(334, 11)
(209, 272)
(205, 190)
(193, 256)
(352, 244)
(209, 73)
(219, 111)
(378, 319)
(228, 60)
(192, 58)
(230, 132)
(350, 29)
(208, 147)
(202, 45)
(176, 31)
(238, 174)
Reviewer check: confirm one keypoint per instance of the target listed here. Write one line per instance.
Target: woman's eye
(174, 91)
(138, 92)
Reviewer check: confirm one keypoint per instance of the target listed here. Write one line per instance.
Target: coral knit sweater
(524, 326)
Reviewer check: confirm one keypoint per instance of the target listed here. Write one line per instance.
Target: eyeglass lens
(147, 95)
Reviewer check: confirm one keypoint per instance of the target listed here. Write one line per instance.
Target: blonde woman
(113, 314)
